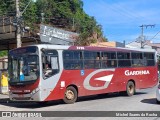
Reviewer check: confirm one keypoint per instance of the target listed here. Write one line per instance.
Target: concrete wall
(3, 63)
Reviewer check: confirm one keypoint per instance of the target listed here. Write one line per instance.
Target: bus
(48, 72)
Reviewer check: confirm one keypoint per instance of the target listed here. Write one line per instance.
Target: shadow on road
(140, 93)
(4, 100)
(149, 101)
(107, 95)
(34, 105)
(28, 104)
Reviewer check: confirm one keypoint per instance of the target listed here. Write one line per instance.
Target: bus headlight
(35, 91)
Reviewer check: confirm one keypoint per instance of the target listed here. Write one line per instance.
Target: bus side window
(72, 60)
(54, 65)
(138, 60)
(48, 70)
(50, 63)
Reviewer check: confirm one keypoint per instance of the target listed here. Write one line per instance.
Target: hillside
(66, 14)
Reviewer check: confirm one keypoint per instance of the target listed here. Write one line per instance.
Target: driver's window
(50, 63)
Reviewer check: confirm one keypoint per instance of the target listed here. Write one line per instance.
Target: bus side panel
(68, 77)
(143, 77)
(76, 78)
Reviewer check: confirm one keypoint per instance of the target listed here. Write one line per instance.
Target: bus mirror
(43, 50)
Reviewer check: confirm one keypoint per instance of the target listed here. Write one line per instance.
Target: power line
(26, 7)
(155, 35)
(128, 12)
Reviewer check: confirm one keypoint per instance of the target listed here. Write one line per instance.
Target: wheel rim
(69, 95)
(131, 89)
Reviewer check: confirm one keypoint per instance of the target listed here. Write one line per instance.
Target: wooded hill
(66, 14)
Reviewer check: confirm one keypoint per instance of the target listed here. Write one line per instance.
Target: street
(143, 100)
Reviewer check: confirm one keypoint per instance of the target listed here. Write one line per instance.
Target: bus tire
(70, 95)
(130, 88)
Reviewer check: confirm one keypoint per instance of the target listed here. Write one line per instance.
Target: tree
(3, 53)
(7, 7)
(66, 14)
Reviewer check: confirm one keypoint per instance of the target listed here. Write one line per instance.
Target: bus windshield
(23, 65)
(24, 68)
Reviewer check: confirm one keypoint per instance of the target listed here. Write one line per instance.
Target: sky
(121, 19)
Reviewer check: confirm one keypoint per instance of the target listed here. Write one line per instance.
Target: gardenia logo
(142, 72)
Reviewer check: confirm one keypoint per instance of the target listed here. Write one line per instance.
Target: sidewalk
(4, 98)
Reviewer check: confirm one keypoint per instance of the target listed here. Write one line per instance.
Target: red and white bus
(50, 72)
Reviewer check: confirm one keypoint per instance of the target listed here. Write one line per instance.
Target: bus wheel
(70, 95)
(130, 88)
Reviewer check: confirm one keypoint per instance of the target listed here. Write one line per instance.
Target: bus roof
(90, 48)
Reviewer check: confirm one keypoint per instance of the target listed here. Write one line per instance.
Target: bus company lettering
(140, 72)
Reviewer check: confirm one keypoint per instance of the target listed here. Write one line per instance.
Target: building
(137, 44)
(108, 44)
(146, 45)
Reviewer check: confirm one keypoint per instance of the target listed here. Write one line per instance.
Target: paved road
(144, 100)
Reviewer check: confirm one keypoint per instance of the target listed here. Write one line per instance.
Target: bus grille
(21, 98)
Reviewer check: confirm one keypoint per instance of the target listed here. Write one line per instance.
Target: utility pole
(18, 29)
(142, 29)
(42, 17)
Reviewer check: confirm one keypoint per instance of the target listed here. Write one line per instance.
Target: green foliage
(3, 53)
(7, 7)
(30, 15)
(66, 14)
